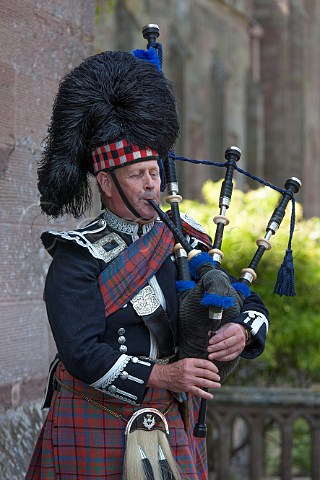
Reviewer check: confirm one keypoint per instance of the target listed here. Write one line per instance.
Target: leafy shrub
(292, 354)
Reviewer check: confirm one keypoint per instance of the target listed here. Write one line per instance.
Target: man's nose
(150, 182)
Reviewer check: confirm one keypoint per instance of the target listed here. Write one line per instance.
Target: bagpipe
(207, 297)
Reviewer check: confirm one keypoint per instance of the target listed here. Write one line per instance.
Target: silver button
(124, 375)
(121, 331)
(122, 339)
(112, 389)
(134, 359)
(123, 349)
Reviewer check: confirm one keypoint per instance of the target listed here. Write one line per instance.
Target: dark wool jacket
(116, 354)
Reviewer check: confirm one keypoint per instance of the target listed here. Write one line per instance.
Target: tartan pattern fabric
(81, 441)
(194, 232)
(203, 237)
(117, 154)
(132, 269)
(198, 446)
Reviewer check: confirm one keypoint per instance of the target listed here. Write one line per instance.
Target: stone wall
(311, 126)
(20, 427)
(207, 57)
(245, 73)
(290, 73)
(40, 42)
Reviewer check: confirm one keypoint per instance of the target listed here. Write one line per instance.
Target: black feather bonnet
(109, 97)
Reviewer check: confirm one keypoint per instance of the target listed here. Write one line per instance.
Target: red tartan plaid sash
(132, 269)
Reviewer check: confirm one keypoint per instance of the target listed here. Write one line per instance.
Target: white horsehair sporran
(148, 454)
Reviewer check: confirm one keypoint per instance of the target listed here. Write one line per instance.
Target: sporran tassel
(146, 465)
(148, 457)
(165, 469)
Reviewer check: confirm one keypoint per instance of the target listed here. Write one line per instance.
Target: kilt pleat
(82, 441)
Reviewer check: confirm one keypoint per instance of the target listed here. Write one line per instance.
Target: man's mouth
(150, 198)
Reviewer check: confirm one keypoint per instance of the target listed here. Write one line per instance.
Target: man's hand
(227, 343)
(187, 375)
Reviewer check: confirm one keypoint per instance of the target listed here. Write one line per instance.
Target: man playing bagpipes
(121, 400)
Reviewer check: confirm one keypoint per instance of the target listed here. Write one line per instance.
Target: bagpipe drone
(202, 286)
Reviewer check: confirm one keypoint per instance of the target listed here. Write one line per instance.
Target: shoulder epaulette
(95, 237)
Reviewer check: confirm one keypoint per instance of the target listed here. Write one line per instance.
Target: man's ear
(104, 182)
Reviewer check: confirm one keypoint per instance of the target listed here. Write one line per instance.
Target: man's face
(140, 183)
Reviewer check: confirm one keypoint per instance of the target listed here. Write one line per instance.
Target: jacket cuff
(126, 380)
(257, 324)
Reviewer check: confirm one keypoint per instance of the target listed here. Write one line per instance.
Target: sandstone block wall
(40, 42)
(245, 73)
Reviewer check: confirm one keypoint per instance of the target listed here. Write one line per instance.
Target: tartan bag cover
(81, 441)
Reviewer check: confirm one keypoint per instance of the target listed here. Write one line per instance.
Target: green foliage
(301, 449)
(292, 354)
(109, 8)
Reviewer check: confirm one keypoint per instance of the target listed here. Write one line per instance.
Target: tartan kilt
(82, 441)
